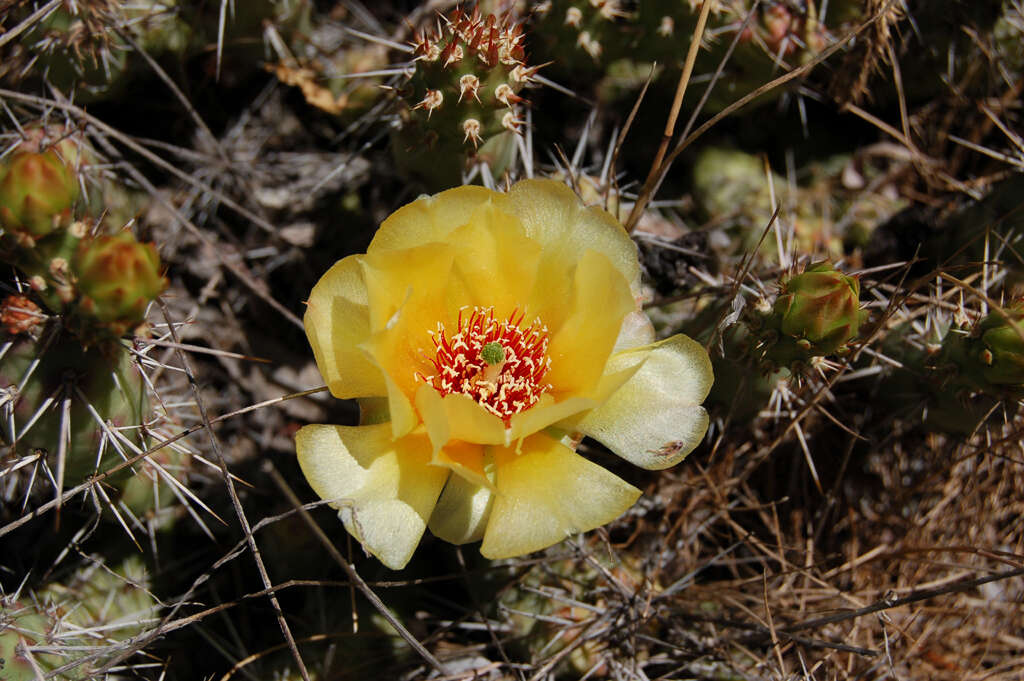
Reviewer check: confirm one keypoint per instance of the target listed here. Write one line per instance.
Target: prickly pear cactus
(58, 625)
(117, 277)
(614, 43)
(817, 313)
(461, 104)
(75, 49)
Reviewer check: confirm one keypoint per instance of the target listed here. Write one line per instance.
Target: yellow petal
(457, 417)
(337, 321)
(546, 412)
(655, 420)
(495, 263)
(547, 493)
(579, 349)
(412, 281)
(462, 511)
(431, 218)
(553, 215)
(466, 459)
(408, 296)
(403, 416)
(385, 490)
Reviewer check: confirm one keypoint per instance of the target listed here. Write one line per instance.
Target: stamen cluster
(504, 388)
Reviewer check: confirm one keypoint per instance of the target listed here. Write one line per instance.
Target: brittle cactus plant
(86, 47)
(461, 104)
(105, 395)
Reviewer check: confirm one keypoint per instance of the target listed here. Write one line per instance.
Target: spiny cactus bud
(117, 278)
(461, 100)
(1003, 346)
(816, 314)
(991, 357)
(37, 191)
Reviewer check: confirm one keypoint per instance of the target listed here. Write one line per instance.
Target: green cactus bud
(999, 346)
(460, 104)
(37, 191)
(117, 278)
(816, 314)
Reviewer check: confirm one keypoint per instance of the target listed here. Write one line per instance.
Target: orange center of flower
(500, 364)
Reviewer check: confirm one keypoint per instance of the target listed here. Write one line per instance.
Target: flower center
(500, 364)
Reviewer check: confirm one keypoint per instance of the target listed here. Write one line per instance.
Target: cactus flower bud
(816, 314)
(37, 191)
(1001, 346)
(117, 279)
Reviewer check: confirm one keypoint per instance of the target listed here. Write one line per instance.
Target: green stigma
(493, 353)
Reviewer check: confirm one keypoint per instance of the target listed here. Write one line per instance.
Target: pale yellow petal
(400, 410)
(547, 493)
(413, 281)
(636, 330)
(580, 348)
(431, 218)
(337, 321)
(654, 420)
(462, 511)
(553, 215)
(385, 490)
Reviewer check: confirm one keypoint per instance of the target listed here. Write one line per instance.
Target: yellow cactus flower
(484, 334)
